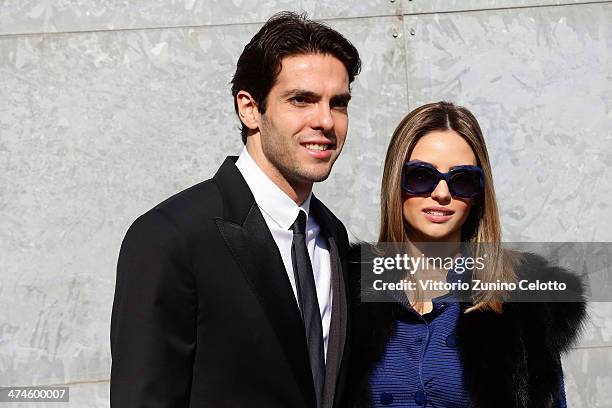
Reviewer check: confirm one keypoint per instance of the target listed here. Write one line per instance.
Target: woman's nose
(441, 193)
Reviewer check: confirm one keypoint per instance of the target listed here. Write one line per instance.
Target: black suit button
(386, 398)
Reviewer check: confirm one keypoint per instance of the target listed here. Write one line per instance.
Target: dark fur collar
(509, 360)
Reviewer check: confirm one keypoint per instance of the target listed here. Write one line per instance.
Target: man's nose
(322, 118)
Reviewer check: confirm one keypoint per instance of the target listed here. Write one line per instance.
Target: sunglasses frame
(443, 176)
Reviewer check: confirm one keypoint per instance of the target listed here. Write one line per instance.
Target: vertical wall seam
(405, 47)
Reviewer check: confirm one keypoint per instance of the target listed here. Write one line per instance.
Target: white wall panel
(539, 81)
(588, 378)
(439, 6)
(38, 16)
(326, 9)
(598, 329)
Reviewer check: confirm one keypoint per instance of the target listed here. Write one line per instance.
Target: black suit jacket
(204, 314)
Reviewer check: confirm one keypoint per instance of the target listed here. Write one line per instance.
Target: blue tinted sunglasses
(420, 178)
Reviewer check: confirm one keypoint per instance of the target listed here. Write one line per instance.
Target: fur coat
(510, 360)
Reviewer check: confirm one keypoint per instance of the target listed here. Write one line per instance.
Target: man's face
(304, 127)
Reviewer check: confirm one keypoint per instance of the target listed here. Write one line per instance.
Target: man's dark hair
(283, 35)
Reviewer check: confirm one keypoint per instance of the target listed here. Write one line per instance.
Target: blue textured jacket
(480, 359)
(421, 366)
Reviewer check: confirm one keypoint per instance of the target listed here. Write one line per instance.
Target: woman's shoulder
(557, 304)
(549, 282)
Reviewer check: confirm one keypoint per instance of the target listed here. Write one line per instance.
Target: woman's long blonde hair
(483, 223)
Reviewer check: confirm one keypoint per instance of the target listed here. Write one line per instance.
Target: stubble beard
(278, 150)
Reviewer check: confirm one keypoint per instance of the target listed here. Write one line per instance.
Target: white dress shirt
(279, 212)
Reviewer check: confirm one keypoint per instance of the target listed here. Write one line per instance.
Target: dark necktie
(308, 303)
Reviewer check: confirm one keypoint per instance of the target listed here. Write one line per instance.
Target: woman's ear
(247, 110)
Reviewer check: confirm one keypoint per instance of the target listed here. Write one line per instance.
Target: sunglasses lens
(465, 183)
(419, 180)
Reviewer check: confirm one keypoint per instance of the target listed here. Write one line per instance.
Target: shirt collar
(268, 196)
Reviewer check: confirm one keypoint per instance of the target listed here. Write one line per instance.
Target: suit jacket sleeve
(153, 324)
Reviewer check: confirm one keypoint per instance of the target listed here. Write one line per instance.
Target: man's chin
(309, 177)
(319, 179)
(316, 176)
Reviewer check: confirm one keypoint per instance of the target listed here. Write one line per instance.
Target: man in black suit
(233, 293)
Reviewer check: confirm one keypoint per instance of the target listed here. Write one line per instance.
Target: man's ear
(247, 110)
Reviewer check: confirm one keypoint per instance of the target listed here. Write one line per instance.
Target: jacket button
(452, 341)
(386, 398)
(420, 397)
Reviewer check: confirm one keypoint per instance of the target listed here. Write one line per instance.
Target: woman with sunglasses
(484, 349)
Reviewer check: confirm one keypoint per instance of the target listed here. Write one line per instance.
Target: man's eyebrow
(342, 98)
(300, 92)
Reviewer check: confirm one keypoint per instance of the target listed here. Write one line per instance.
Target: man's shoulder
(184, 212)
(200, 198)
(325, 215)
(325, 211)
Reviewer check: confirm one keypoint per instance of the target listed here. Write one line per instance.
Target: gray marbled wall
(107, 108)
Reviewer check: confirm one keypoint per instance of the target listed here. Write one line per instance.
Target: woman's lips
(437, 215)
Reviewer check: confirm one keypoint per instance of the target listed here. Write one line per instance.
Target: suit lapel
(338, 326)
(247, 235)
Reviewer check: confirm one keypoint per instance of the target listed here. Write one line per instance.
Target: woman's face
(438, 216)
